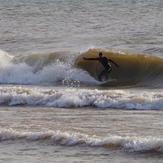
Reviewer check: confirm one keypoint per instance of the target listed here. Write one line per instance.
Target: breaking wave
(128, 143)
(54, 68)
(80, 98)
(51, 69)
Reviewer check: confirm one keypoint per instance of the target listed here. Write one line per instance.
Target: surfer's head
(100, 54)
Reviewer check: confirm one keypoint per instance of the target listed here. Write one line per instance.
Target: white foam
(79, 97)
(22, 73)
(131, 144)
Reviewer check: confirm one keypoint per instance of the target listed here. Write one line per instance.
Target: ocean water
(53, 108)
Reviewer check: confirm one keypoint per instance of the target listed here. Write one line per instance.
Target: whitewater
(53, 108)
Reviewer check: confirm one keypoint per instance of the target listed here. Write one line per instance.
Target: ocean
(53, 108)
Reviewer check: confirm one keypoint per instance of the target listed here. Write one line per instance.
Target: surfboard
(111, 80)
(106, 77)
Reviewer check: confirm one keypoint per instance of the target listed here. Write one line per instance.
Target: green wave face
(133, 68)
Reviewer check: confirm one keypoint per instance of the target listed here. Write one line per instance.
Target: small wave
(79, 98)
(129, 144)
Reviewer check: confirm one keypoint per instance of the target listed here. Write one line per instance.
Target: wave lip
(129, 144)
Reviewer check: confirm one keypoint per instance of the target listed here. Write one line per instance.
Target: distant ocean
(52, 106)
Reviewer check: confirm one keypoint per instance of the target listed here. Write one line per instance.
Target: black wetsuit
(106, 64)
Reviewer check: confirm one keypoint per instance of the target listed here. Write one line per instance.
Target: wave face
(56, 68)
(133, 68)
(129, 144)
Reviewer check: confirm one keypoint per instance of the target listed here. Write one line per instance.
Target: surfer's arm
(114, 63)
(92, 59)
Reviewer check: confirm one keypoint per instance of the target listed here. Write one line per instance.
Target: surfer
(106, 64)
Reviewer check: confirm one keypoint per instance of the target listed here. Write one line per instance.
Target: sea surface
(52, 106)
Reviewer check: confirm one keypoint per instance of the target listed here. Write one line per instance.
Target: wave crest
(78, 98)
(130, 144)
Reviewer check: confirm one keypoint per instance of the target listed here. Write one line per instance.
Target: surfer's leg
(109, 69)
(101, 74)
(105, 73)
